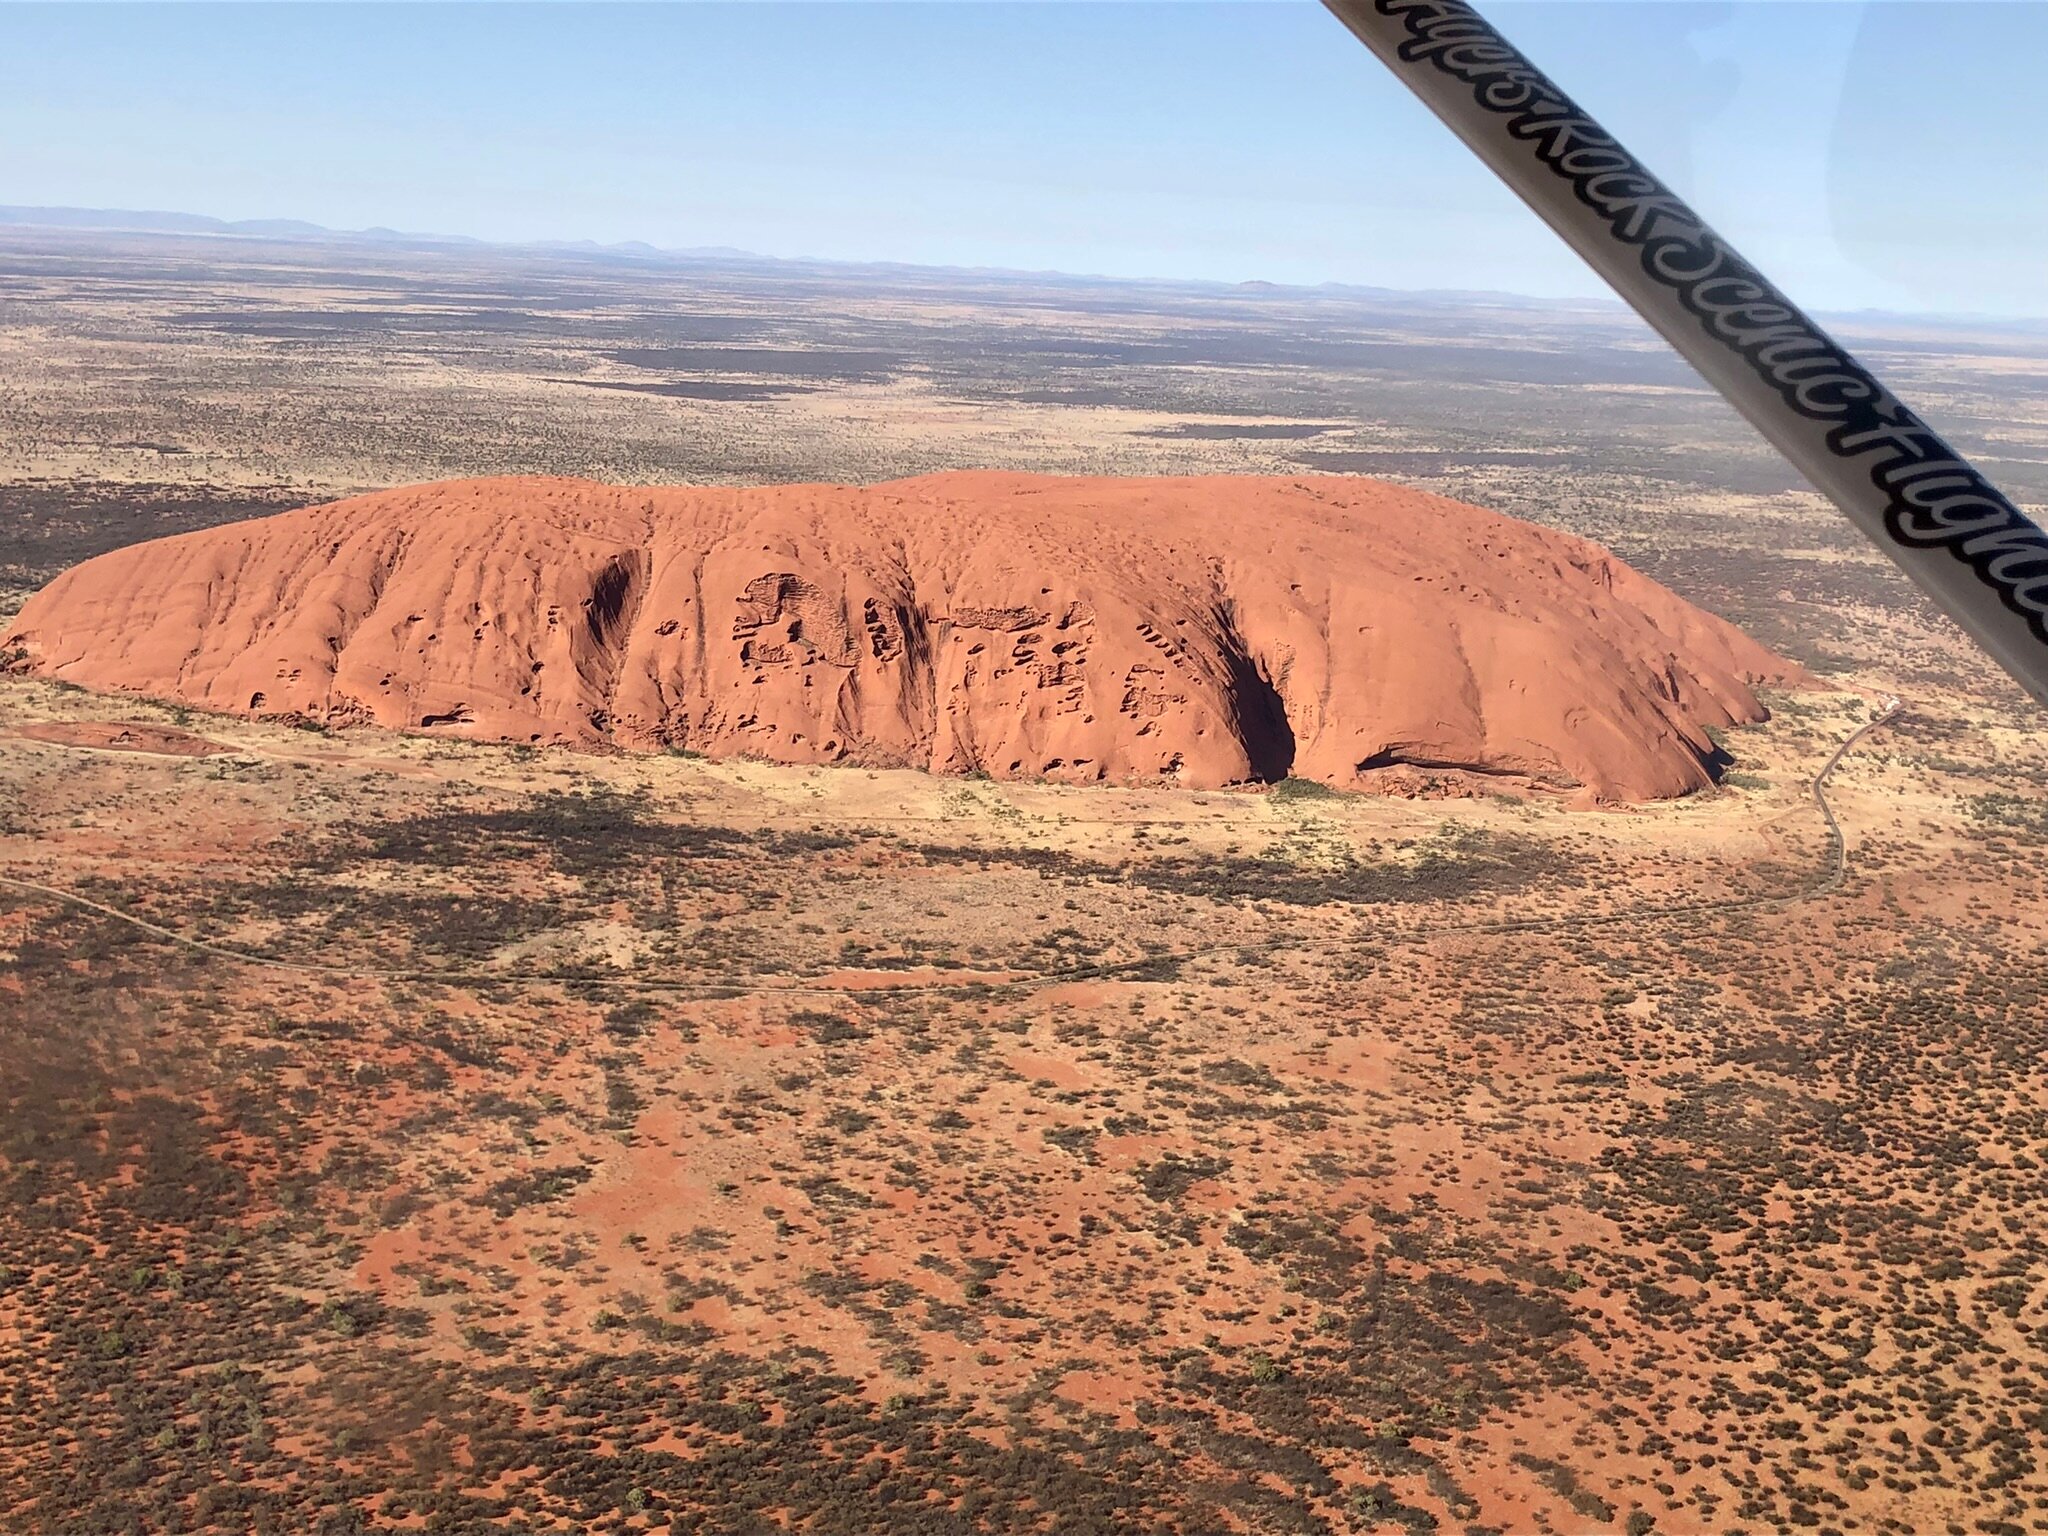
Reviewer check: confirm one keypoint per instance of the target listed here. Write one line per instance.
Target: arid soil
(567, 1142)
(1202, 631)
(404, 1132)
(121, 736)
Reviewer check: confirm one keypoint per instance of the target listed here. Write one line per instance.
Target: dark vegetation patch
(1399, 1359)
(2005, 812)
(697, 389)
(349, 326)
(1461, 865)
(579, 834)
(1564, 1482)
(1224, 431)
(538, 1187)
(1173, 1175)
(1293, 789)
(460, 885)
(45, 529)
(349, 923)
(826, 364)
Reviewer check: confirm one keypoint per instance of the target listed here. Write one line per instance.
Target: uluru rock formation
(1205, 631)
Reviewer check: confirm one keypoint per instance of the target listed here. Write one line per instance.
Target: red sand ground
(1201, 631)
(1343, 1216)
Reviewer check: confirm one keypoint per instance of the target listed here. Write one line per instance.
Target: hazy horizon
(1239, 143)
(288, 227)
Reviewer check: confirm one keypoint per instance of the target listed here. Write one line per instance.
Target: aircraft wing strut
(1978, 556)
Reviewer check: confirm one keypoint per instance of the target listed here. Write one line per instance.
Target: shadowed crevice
(1257, 710)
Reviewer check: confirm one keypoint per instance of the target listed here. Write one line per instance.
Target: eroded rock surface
(1205, 631)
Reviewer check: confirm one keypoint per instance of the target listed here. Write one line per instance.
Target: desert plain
(399, 1132)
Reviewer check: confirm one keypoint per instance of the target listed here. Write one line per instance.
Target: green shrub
(1288, 790)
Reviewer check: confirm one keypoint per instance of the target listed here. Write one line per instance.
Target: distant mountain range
(156, 221)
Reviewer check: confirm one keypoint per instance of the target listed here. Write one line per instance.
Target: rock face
(1204, 631)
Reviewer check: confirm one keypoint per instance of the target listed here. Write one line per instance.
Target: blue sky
(1881, 155)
